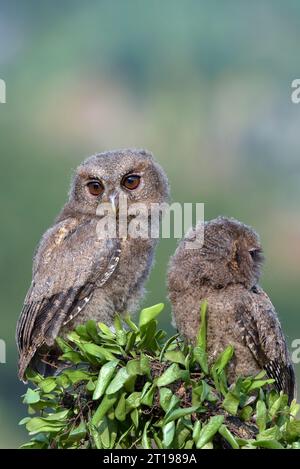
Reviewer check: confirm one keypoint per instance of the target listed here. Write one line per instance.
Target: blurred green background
(205, 85)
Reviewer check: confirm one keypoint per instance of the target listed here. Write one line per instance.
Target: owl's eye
(131, 182)
(95, 187)
(256, 254)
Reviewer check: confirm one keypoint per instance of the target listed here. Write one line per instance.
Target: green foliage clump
(133, 388)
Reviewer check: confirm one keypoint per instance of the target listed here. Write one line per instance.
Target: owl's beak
(114, 200)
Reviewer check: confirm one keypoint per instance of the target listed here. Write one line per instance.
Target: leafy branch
(132, 388)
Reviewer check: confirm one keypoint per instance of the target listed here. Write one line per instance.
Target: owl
(225, 271)
(78, 274)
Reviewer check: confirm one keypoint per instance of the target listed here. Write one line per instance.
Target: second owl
(225, 271)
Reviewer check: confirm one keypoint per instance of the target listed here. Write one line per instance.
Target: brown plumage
(78, 275)
(225, 271)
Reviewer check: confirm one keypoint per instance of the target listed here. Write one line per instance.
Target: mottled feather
(225, 271)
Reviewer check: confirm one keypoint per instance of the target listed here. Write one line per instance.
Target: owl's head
(231, 253)
(105, 177)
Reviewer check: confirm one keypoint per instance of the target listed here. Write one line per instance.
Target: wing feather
(262, 333)
(70, 262)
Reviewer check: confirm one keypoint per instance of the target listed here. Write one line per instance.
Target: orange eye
(95, 188)
(131, 182)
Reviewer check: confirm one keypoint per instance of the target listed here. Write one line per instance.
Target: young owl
(225, 271)
(79, 275)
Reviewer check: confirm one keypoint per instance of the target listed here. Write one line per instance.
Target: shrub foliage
(135, 388)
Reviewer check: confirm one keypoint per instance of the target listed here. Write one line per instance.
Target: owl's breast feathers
(71, 261)
(261, 332)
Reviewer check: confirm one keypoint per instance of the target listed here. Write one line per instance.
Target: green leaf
(181, 434)
(223, 360)
(73, 357)
(48, 384)
(134, 415)
(121, 337)
(77, 433)
(118, 323)
(90, 386)
(174, 401)
(148, 314)
(158, 441)
(178, 413)
(294, 408)
(146, 387)
(189, 444)
(63, 345)
(148, 336)
(37, 425)
(130, 342)
(201, 337)
(118, 381)
(31, 396)
(292, 431)
(133, 400)
(131, 324)
(77, 375)
(107, 402)
(205, 390)
(145, 440)
(104, 433)
(165, 395)
(269, 434)
(208, 445)
(228, 436)
(231, 403)
(82, 333)
(246, 413)
(145, 365)
(120, 411)
(269, 444)
(24, 420)
(106, 330)
(175, 356)
(147, 398)
(200, 356)
(277, 405)
(97, 351)
(168, 434)
(105, 374)
(260, 383)
(196, 430)
(261, 416)
(209, 430)
(170, 375)
(91, 329)
(133, 367)
(170, 341)
(95, 435)
(56, 416)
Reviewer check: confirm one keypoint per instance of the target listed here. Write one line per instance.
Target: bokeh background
(205, 85)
